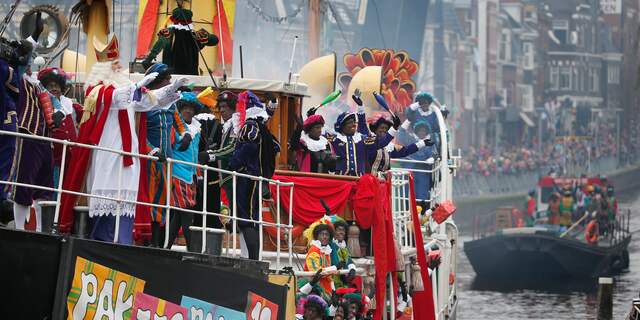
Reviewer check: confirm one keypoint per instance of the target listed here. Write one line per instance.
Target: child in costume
(319, 255)
(340, 255)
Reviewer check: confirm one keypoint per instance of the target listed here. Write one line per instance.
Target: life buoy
(591, 233)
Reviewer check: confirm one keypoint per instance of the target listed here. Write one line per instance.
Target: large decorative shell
(398, 69)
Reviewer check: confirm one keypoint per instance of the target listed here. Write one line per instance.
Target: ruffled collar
(194, 126)
(188, 27)
(204, 116)
(324, 249)
(314, 145)
(234, 123)
(416, 107)
(341, 244)
(356, 137)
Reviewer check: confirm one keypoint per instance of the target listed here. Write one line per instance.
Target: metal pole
(119, 203)
(168, 205)
(290, 227)
(278, 222)
(205, 184)
(260, 236)
(235, 213)
(59, 195)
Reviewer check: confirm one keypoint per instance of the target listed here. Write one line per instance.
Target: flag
(147, 26)
(221, 28)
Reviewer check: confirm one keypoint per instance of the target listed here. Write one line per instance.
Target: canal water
(568, 300)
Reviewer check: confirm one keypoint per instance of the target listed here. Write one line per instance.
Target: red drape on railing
(307, 193)
(423, 307)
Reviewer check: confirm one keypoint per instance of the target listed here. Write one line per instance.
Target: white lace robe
(106, 170)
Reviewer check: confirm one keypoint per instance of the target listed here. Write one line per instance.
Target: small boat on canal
(504, 247)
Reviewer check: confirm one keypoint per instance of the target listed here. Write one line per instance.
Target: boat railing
(620, 226)
(444, 236)
(228, 250)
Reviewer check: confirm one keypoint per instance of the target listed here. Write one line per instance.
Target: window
(528, 59)
(575, 79)
(503, 46)
(565, 78)
(553, 77)
(526, 97)
(613, 75)
(595, 80)
(561, 30)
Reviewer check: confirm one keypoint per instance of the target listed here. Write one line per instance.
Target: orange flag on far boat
(222, 29)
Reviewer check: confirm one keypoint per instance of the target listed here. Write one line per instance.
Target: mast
(314, 28)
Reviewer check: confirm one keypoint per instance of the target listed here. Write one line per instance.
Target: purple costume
(8, 97)
(34, 158)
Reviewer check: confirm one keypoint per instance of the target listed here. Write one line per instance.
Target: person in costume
(180, 44)
(254, 155)
(159, 128)
(314, 308)
(25, 160)
(567, 206)
(352, 142)
(319, 256)
(217, 144)
(109, 120)
(612, 206)
(312, 149)
(340, 255)
(419, 132)
(11, 69)
(381, 162)
(66, 113)
(420, 110)
(183, 179)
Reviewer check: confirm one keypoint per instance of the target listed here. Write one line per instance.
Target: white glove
(179, 83)
(405, 125)
(146, 80)
(122, 97)
(166, 97)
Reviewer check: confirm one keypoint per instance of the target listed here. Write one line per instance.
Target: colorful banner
(259, 308)
(222, 313)
(98, 291)
(202, 310)
(148, 307)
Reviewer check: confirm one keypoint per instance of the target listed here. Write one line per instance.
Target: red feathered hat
(312, 121)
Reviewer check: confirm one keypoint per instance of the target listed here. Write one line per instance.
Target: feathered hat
(250, 107)
(328, 219)
(53, 74)
(312, 121)
(190, 98)
(342, 118)
(377, 119)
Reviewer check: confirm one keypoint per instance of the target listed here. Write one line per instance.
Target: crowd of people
(563, 153)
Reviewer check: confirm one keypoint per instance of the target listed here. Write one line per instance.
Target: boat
(503, 247)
